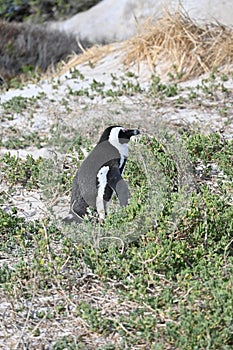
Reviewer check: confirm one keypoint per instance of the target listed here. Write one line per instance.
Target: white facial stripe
(114, 133)
(121, 147)
(102, 179)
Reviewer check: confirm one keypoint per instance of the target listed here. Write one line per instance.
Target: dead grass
(174, 43)
(91, 56)
(189, 48)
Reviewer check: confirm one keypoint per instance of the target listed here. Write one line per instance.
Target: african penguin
(100, 174)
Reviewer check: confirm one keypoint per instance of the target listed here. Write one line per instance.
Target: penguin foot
(72, 218)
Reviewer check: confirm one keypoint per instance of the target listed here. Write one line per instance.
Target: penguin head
(118, 134)
(125, 134)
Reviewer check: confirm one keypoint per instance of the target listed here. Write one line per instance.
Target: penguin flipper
(117, 183)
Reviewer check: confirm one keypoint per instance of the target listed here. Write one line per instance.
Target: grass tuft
(191, 49)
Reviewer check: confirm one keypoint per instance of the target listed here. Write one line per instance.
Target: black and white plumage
(100, 174)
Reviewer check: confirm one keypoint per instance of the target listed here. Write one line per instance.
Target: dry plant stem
(206, 229)
(28, 314)
(47, 243)
(226, 249)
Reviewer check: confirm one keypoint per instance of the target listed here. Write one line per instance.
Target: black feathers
(100, 174)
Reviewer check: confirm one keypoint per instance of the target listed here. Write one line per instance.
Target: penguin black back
(101, 173)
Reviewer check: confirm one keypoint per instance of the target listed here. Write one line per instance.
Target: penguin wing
(78, 206)
(116, 182)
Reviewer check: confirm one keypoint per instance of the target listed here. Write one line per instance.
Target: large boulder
(112, 20)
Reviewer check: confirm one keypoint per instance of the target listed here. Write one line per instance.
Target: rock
(112, 20)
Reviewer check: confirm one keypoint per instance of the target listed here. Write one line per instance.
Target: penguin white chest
(102, 182)
(123, 150)
(121, 147)
(102, 179)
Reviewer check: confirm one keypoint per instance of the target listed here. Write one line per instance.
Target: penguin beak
(136, 132)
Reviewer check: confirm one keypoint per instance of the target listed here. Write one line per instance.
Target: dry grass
(91, 56)
(175, 43)
(177, 39)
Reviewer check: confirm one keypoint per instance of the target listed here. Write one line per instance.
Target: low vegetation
(156, 275)
(35, 11)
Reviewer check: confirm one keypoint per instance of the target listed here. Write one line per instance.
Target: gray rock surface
(112, 20)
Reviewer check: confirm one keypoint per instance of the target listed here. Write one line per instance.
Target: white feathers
(102, 179)
(121, 147)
